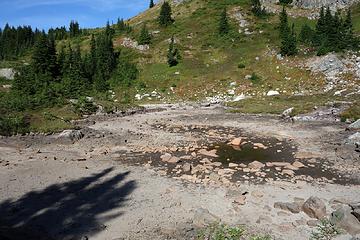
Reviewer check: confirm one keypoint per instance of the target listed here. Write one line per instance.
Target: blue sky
(52, 13)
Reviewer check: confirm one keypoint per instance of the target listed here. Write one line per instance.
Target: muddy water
(211, 138)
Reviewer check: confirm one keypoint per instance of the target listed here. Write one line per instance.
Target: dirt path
(155, 176)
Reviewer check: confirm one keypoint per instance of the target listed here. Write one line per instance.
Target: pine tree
(257, 9)
(284, 24)
(44, 56)
(349, 40)
(223, 23)
(151, 4)
(144, 37)
(287, 36)
(121, 25)
(109, 31)
(165, 18)
(307, 34)
(74, 29)
(173, 55)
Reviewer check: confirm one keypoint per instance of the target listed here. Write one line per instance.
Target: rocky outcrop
(314, 207)
(334, 4)
(344, 218)
(7, 73)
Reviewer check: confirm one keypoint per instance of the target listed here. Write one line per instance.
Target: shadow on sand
(70, 210)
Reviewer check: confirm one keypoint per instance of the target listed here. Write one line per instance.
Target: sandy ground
(112, 184)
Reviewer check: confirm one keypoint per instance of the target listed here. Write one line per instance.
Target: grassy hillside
(243, 62)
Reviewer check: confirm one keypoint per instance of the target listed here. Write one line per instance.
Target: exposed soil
(145, 176)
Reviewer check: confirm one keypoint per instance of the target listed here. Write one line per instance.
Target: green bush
(221, 232)
(241, 65)
(325, 230)
(13, 124)
(84, 106)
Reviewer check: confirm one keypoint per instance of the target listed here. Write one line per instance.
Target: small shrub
(255, 78)
(325, 230)
(241, 65)
(221, 232)
(11, 125)
(84, 106)
(265, 237)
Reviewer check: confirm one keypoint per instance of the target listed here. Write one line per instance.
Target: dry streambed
(161, 175)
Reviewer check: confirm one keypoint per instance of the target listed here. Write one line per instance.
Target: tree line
(332, 33)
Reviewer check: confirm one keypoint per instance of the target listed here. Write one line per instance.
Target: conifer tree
(165, 18)
(287, 36)
(307, 34)
(109, 31)
(173, 55)
(257, 9)
(224, 23)
(284, 24)
(151, 4)
(144, 37)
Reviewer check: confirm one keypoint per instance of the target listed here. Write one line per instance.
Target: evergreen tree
(257, 9)
(223, 23)
(349, 40)
(151, 4)
(144, 37)
(287, 36)
(307, 34)
(284, 24)
(44, 58)
(165, 18)
(74, 29)
(109, 31)
(173, 55)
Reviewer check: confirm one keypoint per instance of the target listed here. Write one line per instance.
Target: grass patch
(352, 113)
(219, 231)
(277, 104)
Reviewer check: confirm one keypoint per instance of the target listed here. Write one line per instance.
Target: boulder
(167, 157)
(344, 219)
(211, 153)
(203, 218)
(236, 142)
(288, 172)
(71, 135)
(260, 145)
(7, 73)
(272, 93)
(355, 125)
(256, 165)
(291, 207)
(186, 167)
(354, 139)
(314, 207)
(298, 164)
(287, 113)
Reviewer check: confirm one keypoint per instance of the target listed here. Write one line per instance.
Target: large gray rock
(354, 139)
(334, 4)
(7, 73)
(314, 207)
(71, 135)
(344, 219)
(291, 207)
(355, 125)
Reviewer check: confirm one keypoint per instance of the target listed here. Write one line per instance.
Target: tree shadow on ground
(70, 210)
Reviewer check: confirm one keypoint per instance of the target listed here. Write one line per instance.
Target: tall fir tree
(144, 37)
(151, 5)
(287, 36)
(223, 27)
(165, 18)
